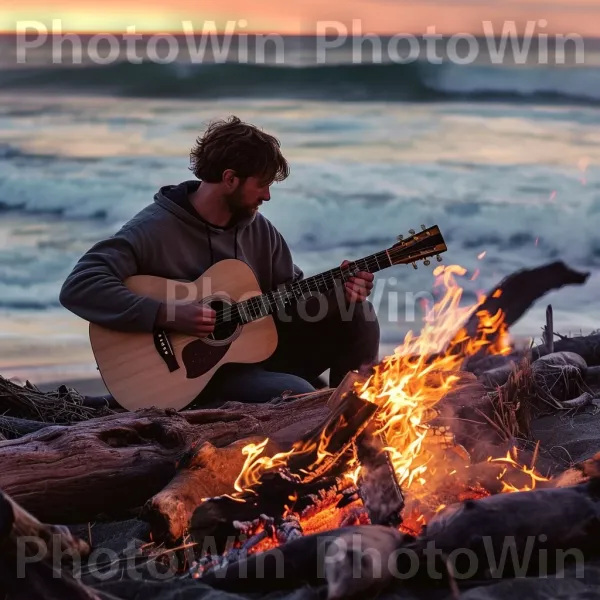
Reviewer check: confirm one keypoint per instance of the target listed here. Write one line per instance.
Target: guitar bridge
(165, 350)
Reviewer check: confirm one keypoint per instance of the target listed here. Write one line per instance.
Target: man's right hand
(190, 319)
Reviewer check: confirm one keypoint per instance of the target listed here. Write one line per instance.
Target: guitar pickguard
(199, 357)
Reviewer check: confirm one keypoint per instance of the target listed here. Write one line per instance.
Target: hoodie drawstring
(209, 245)
(210, 248)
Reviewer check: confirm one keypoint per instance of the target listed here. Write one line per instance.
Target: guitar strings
(253, 307)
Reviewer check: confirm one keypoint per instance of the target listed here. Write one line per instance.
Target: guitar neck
(260, 306)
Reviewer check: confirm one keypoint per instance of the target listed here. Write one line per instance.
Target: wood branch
(13, 427)
(319, 450)
(515, 294)
(378, 486)
(205, 472)
(551, 519)
(588, 347)
(29, 568)
(549, 330)
(71, 474)
(214, 522)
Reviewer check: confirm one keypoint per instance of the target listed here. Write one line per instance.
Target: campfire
(387, 455)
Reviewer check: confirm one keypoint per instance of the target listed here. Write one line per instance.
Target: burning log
(378, 486)
(293, 478)
(204, 472)
(214, 521)
(115, 463)
(320, 449)
(29, 569)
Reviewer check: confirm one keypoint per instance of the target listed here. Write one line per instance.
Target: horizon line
(176, 33)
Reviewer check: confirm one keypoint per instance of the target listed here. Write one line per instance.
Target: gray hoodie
(168, 239)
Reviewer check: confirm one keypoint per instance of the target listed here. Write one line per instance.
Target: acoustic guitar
(169, 370)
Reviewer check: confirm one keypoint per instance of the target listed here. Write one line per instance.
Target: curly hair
(233, 144)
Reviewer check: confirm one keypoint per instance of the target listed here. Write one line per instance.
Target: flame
(254, 466)
(530, 472)
(407, 385)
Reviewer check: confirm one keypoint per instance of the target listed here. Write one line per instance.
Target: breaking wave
(389, 82)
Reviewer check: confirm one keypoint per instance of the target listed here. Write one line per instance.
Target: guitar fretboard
(260, 306)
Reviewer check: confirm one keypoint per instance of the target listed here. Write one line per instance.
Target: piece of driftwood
(549, 329)
(560, 520)
(378, 486)
(71, 474)
(515, 294)
(13, 427)
(29, 568)
(587, 346)
(214, 522)
(204, 472)
(322, 447)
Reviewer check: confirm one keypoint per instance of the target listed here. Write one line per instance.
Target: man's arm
(95, 291)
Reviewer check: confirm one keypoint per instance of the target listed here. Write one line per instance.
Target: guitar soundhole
(227, 327)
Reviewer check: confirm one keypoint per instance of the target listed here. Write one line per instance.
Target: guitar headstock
(418, 246)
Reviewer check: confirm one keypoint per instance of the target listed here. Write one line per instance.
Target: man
(191, 226)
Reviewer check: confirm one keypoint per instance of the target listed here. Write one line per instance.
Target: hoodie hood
(175, 198)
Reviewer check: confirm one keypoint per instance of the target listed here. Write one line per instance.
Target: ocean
(504, 159)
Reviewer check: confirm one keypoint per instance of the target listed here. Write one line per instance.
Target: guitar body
(168, 370)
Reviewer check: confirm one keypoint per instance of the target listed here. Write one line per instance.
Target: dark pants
(343, 340)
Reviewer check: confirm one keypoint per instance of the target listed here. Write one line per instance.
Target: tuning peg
(414, 266)
(438, 258)
(411, 231)
(423, 227)
(400, 238)
(426, 262)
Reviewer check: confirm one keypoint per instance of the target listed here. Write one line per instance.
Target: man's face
(247, 198)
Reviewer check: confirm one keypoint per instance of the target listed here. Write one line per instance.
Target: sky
(302, 16)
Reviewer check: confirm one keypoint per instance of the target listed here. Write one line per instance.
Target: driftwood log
(588, 347)
(515, 294)
(29, 569)
(205, 472)
(108, 465)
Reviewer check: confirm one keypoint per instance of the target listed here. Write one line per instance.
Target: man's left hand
(358, 288)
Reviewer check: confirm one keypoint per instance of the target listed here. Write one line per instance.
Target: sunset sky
(301, 16)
